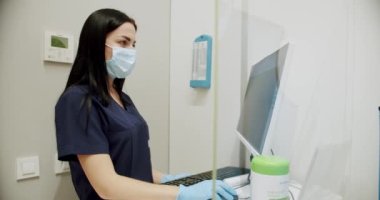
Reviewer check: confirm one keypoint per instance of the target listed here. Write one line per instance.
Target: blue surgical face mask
(122, 62)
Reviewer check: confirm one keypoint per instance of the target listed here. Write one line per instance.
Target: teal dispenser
(202, 56)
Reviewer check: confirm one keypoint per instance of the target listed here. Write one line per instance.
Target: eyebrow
(128, 39)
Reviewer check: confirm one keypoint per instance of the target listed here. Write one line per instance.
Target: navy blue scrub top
(120, 132)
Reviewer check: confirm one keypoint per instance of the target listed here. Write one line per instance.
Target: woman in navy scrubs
(98, 128)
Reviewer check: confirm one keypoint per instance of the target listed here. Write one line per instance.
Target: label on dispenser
(269, 187)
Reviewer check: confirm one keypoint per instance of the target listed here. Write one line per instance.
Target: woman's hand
(203, 191)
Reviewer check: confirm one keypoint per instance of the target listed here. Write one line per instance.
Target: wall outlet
(60, 167)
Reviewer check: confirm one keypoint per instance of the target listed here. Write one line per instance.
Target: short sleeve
(79, 130)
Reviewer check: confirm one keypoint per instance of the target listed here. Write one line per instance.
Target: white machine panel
(59, 47)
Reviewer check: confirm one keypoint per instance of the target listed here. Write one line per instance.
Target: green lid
(270, 165)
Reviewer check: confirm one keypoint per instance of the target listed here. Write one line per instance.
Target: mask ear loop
(111, 48)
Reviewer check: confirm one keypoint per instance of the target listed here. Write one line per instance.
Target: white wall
(30, 87)
(230, 48)
(365, 100)
(191, 110)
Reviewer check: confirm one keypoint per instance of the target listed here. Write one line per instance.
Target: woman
(99, 130)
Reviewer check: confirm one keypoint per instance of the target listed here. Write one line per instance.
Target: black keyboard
(221, 174)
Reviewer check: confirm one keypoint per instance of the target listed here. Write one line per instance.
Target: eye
(123, 43)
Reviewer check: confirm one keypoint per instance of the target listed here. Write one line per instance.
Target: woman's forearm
(157, 176)
(127, 188)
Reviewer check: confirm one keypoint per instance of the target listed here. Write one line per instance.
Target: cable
(291, 194)
(272, 152)
(249, 173)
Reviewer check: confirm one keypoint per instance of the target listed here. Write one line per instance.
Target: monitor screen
(259, 101)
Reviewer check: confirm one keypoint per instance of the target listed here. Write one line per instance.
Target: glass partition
(282, 74)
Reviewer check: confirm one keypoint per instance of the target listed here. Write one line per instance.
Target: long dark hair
(89, 67)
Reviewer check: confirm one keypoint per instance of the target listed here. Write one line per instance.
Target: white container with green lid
(270, 178)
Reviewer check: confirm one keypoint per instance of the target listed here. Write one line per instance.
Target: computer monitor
(260, 101)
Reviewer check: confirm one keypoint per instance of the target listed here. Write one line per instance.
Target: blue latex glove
(203, 191)
(169, 177)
